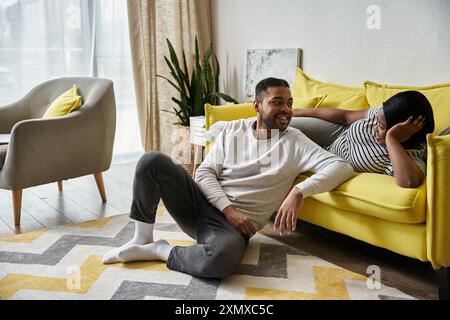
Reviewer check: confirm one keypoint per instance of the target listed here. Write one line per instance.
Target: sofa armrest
(46, 150)
(438, 200)
(12, 113)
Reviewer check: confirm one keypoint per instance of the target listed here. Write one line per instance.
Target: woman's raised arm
(340, 116)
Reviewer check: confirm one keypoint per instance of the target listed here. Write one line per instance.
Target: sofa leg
(100, 185)
(17, 205)
(60, 185)
(444, 283)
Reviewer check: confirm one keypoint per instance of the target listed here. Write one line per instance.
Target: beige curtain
(150, 23)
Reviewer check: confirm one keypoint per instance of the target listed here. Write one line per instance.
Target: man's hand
(404, 130)
(286, 218)
(239, 221)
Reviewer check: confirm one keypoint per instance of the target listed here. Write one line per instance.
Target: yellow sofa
(371, 207)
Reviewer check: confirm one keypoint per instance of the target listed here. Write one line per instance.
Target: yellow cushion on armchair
(66, 103)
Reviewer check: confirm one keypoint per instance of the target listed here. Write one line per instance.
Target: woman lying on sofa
(389, 139)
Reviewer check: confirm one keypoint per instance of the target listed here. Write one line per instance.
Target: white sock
(158, 250)
(143, 234)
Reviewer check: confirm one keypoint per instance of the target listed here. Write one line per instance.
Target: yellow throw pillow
(438, 95)
(66, 103)
(230, 112)
(308, 102)
(338, 96)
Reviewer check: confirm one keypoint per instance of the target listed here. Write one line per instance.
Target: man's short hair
(267, 83)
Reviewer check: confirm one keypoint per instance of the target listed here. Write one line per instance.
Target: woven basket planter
(183, 152)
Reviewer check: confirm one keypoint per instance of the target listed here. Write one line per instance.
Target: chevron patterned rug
(65, 263)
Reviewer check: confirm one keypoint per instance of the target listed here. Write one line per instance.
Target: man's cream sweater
(256, 175)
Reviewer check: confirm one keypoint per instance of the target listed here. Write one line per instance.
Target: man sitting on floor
(246, 177)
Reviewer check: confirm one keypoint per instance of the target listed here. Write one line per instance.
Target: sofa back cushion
(338, 96)
(438, 95)
(230, 112)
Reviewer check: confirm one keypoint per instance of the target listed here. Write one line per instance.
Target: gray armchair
(41, 151)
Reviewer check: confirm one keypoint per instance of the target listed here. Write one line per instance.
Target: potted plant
(195, 88)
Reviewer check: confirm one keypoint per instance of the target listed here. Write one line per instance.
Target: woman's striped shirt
(357, 145)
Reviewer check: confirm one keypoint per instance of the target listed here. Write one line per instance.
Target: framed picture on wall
(263, 63)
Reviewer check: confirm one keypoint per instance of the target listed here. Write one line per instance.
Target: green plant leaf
(186, 72)
(181, 87)
(163, 110)
(171, 82)
(177, 72)
(181, 114)
(198, 98)
(216, 74)
(195, 88)
(197, 92)
(183, 107)
(172, 70)
(174, 58)
(180, 77)
(224, 97)
(209, 82)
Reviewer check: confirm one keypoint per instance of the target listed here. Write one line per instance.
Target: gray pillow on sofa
(320, 131)
(444, 131)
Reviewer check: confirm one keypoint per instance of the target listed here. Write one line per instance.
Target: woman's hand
(404, 130)
(239, 221)
(286, 218)
(406, 171)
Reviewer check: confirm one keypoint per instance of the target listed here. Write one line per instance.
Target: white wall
(411, 48)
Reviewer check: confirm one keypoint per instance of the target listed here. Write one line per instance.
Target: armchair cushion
(66, 103)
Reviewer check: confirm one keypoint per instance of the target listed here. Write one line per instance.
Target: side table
(197, 140)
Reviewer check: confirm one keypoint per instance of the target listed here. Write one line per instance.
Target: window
(45, 39)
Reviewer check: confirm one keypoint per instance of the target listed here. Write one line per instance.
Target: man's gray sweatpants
(220, 247)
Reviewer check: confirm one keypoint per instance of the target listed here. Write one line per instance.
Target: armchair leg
(60, 185)
(17, 205)
(444, 283)
(100, 185)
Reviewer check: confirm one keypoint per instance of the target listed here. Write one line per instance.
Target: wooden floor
(44, 206)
